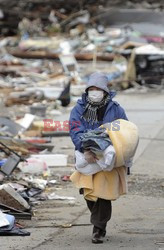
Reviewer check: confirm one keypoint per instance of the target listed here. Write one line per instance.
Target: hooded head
(98, 80)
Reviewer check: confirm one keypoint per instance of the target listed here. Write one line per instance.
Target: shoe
(98, 235)
(97, 238)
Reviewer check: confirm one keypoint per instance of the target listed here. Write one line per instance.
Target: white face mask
(96, 95)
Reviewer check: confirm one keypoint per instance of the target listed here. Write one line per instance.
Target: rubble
(12, 229)
(52, 160)
(3, 220)
(9, 126)
(54, 196)
(8, 196)
(34, 166)
(53, 13)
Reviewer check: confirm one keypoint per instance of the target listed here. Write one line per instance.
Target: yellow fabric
(125, 139)
(110, 185)
(105, 185)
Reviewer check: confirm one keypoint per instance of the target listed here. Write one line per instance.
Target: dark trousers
(101, 212)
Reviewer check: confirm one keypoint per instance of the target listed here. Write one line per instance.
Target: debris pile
(27, 177)
(28, 171)
(52, 16)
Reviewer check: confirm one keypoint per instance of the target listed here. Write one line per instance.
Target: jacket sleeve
(77, 128)
(121, 113)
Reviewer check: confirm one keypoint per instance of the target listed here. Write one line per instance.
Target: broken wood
(49, 55)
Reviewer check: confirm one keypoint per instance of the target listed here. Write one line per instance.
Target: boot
(98, 235)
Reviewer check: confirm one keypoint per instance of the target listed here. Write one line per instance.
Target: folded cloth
(96, 140)
(105, 185)
(125, 140)
(105, 163)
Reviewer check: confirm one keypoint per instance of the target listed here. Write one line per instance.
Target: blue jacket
(78, 125)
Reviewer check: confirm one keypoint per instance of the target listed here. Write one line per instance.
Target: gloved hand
(90, 157)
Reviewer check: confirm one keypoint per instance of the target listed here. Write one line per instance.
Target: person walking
(96, 107)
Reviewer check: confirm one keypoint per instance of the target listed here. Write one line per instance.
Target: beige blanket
(110, 185)
(105, 185)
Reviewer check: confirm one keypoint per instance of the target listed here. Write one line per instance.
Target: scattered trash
(38, 110)
(54, 196)
(12, 161)
(12, 229)
(3, 220)
(36, 182)
(33, 166)
(69, 64)
(66, 225)
(26, 121)
(65, 178)
(52, 181)
(8, 196)
(52, 160)
(9, 126)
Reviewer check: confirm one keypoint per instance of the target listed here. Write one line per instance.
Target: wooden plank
(48, 55)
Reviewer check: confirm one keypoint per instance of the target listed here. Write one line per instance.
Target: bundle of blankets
(114, 149)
